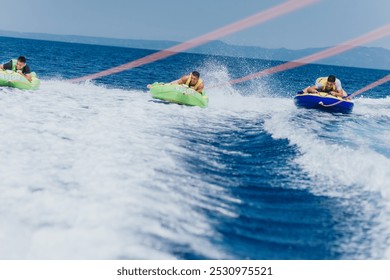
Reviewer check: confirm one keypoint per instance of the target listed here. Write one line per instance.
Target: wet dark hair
(332, 78)
(196, 74)
(22, 59)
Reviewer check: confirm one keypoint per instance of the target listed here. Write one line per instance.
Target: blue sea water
(99, 170)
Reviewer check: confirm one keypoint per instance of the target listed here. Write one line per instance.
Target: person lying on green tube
(192, 80)
(18, 65)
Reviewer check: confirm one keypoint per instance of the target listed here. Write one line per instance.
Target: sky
(322, 24)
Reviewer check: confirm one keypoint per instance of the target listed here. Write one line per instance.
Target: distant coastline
(363, 57)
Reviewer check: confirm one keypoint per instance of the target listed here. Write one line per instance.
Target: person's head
(21, 62)
(195, 77)
(331, 82)
(332, 78)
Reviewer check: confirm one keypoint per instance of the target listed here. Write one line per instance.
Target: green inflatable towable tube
(180, 94)
(10, 78)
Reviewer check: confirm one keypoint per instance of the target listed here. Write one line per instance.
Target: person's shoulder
(27, 69)
(7, 65)
(185, 78)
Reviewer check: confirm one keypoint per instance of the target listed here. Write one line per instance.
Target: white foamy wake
(92, 173)
(373, 107)
(95, 173)
(341, 154)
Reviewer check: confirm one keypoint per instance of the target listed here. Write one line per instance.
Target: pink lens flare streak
(371, 86)
(258, 18)
(371, 36)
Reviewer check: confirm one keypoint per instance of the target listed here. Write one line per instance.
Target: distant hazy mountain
(141, 44)
(365, 57)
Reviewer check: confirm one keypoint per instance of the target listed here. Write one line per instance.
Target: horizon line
(152, 40)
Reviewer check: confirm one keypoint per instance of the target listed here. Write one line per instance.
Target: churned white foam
(93, 173)
(255, 99)
(332, 155)
(373, 107)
